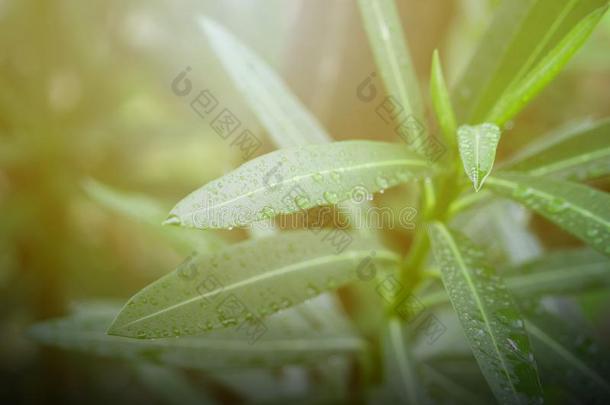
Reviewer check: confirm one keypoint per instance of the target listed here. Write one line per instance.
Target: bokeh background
(85, 93)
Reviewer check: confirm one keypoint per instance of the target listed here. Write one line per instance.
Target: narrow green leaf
(289, 339)
(288, 122)
(569, 356)
(520, 34)
(582, 154)
(171, 386)
(246, 281)
(148, 211)
(290, 180)
(511, 222)
(400, 367)
(386, 39)
(468, 201)
(579, 210)
(441, 101)
(489, 317)
(477, 145)
(558, 273)
(452, 390)
(515, 98)
(462, 367)
(286, 119)
(137, 206)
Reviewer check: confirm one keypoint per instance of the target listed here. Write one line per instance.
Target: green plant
(243, 299)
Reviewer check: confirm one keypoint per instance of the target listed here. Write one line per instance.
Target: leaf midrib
(291, 180)
(546, 196)
(556, 275)
(261, 277)
(566, 354)
(481, 307)
(277, 111)
(541, 45)
(570, 162)
(392, 60)
(474, 104)
(398, 344)
(514, 282)
(219, 39)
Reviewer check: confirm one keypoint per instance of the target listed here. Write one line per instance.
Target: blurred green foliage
(85, 93)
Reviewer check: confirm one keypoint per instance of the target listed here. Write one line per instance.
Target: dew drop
(267, 212)
(591, 232)
(517, 323)
(311, 290)
(382, 182)
(403, 175)
(228, 322)
(556, 205)
(302, 202)
(330, 197)
(522, 192)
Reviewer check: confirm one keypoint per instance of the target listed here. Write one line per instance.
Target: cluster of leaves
(517, 340)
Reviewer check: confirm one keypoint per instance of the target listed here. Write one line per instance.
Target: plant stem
(436, 202)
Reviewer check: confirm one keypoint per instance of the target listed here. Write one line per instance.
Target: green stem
(436, 202)
(410, 274)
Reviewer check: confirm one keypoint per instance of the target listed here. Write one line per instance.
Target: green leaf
(137, 206)
(290, 180)
(386, 38)
(401, 373)
(148, 211)
(288, 122)
(569, 356)
(516, 97)
(477, 145)
(558, 273)
(489, 317)
(521, 33)
(246, 281)
(452, 390)
(171, 386)
(441, 101)
(290, 338)
(579, 210)
(581, 154)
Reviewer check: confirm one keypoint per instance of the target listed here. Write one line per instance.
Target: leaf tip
(436, 60)
(120, 325)
(172, 219)
(477, 146)
(117, 328)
